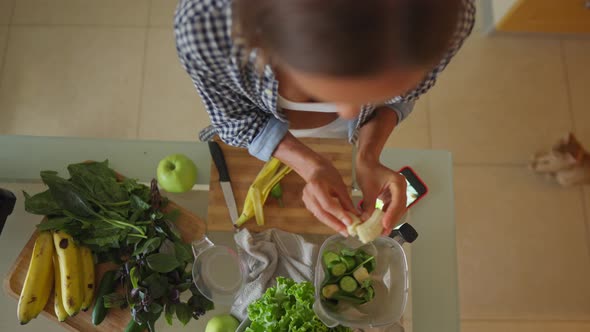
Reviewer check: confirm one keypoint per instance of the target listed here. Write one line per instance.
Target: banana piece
(68, 254)
(39, 280)
(60, 311)
(370, 229)
(88, 277)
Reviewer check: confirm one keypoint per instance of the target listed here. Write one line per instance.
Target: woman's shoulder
(203, 33)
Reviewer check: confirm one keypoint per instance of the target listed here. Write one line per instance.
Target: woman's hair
(348, 37)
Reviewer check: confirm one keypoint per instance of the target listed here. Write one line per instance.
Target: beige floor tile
(162, 13)
(413, 132)
(116, 12)
(6, 11)
(86, 83)
(500, 100)
(577, 59)
(522, 246)
(3, 37)
(524, 326)
(171, 106)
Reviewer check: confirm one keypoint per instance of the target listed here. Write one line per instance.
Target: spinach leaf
(54, 223)
(138, 204)
(183, 253)
(148, 246)
(41, 203)
(167, 247)
(67, 196)
(162, 263)
(183, 312)
(99, 180)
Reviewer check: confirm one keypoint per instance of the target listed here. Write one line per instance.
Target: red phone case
(421, 182)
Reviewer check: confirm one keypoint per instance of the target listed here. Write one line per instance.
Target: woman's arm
(325, 194)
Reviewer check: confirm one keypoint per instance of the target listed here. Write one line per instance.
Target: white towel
(268, 255)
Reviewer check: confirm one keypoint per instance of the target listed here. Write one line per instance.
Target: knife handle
(219, 161)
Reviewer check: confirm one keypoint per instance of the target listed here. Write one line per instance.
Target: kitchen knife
(224, 180)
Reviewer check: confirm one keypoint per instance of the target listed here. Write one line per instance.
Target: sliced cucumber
(349, 262)
(348, 284)
(338, 269)
(330, 257)
(329, 290)
(370, 294)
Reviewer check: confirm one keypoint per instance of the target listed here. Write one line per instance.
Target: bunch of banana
(59, 263)
(272, 172)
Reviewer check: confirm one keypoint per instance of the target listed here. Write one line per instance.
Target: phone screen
(415, 187)
(411, 194)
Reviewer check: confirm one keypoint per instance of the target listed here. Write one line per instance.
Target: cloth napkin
(268, 255)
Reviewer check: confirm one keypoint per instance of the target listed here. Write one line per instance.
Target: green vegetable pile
(123, 222)
(348, 277)
(287, 307)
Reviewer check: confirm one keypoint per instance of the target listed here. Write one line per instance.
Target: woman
(270, 71)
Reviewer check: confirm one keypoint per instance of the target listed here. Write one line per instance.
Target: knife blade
(224, 180)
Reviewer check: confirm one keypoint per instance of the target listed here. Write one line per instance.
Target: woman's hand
(373, 178)
(326, 196)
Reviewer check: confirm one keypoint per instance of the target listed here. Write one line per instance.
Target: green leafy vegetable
(162, 263)
(123, 222)
(183, 312)
(287, 307)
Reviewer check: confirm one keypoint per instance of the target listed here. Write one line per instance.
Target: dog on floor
(567, 162)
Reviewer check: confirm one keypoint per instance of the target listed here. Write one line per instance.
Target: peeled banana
(272, 172)
(39, 280)
(58, 305)
(88, 277)
(70, 270)
(370, 229)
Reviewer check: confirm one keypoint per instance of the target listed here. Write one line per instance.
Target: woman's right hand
(326, 196)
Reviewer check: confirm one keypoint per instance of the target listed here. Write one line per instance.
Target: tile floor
(108, 69)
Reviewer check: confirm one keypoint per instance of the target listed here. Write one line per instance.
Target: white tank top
(335, 129)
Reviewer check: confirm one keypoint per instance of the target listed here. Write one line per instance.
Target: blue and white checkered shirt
(242, 101)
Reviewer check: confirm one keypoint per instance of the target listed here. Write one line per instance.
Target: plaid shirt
(241, 101)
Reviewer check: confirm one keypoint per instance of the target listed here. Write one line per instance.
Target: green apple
(222, 323)
(177, 173)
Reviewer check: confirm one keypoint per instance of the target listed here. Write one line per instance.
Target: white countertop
(434, 267)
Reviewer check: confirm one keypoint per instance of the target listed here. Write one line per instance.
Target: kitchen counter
(434, 267)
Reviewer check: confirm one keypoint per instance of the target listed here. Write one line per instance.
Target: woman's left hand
(374, 178)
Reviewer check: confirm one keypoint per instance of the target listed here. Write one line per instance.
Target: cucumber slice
(348, 252)
(330, 257)
(329, 290)
(348, 284)
(338, 269)
(349, 262)
(370, 294)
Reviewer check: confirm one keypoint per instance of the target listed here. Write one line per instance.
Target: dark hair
(348, 37)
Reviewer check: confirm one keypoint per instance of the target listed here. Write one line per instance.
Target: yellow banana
(68, 256)
(272, 172)
(88, 277)
(58, 305)
(39, 280)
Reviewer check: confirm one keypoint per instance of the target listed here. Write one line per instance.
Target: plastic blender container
(390, 280)
(218, 272)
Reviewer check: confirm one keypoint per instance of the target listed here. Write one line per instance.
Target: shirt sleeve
(201, 43)
(402, 109)
(237, 121)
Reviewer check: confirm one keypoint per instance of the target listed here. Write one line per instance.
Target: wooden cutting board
(293, 217)
(190, 226)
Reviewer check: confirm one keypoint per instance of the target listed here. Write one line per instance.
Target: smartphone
(416, 187)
